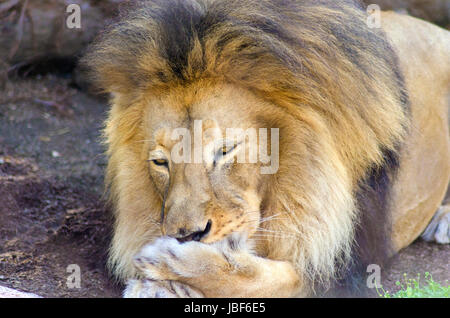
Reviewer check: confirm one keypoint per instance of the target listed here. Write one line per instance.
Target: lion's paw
(168, 259)
(439, 228)
(152, 289)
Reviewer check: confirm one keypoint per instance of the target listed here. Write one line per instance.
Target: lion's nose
(186, 236)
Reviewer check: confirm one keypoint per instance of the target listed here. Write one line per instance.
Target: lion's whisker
(278, 232)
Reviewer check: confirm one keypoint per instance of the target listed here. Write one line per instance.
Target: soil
(52, 212)
(51, 172)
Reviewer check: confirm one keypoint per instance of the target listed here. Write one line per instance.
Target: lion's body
(421, 183)
(355, 127)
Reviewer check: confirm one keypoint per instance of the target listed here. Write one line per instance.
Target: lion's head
(311, 69)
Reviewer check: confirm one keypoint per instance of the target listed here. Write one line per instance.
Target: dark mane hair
(163, 42)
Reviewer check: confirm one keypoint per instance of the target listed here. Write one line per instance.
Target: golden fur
(314, 70)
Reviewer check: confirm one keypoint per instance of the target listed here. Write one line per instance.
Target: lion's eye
(224, 151)
(160, 162)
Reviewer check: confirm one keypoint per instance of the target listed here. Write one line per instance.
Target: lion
(358, 117)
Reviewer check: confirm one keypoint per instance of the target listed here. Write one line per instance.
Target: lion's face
(198, 147)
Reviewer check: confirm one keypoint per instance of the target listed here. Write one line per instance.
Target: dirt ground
(51, 173)
(51, 209)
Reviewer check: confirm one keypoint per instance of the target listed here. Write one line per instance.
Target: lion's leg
(439, 228)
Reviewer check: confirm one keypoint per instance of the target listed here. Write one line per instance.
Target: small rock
(11, 293)
(55, 154)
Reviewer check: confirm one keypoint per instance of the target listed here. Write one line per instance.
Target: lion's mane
(318, 61)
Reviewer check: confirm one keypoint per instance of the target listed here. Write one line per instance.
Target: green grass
(412, 288)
